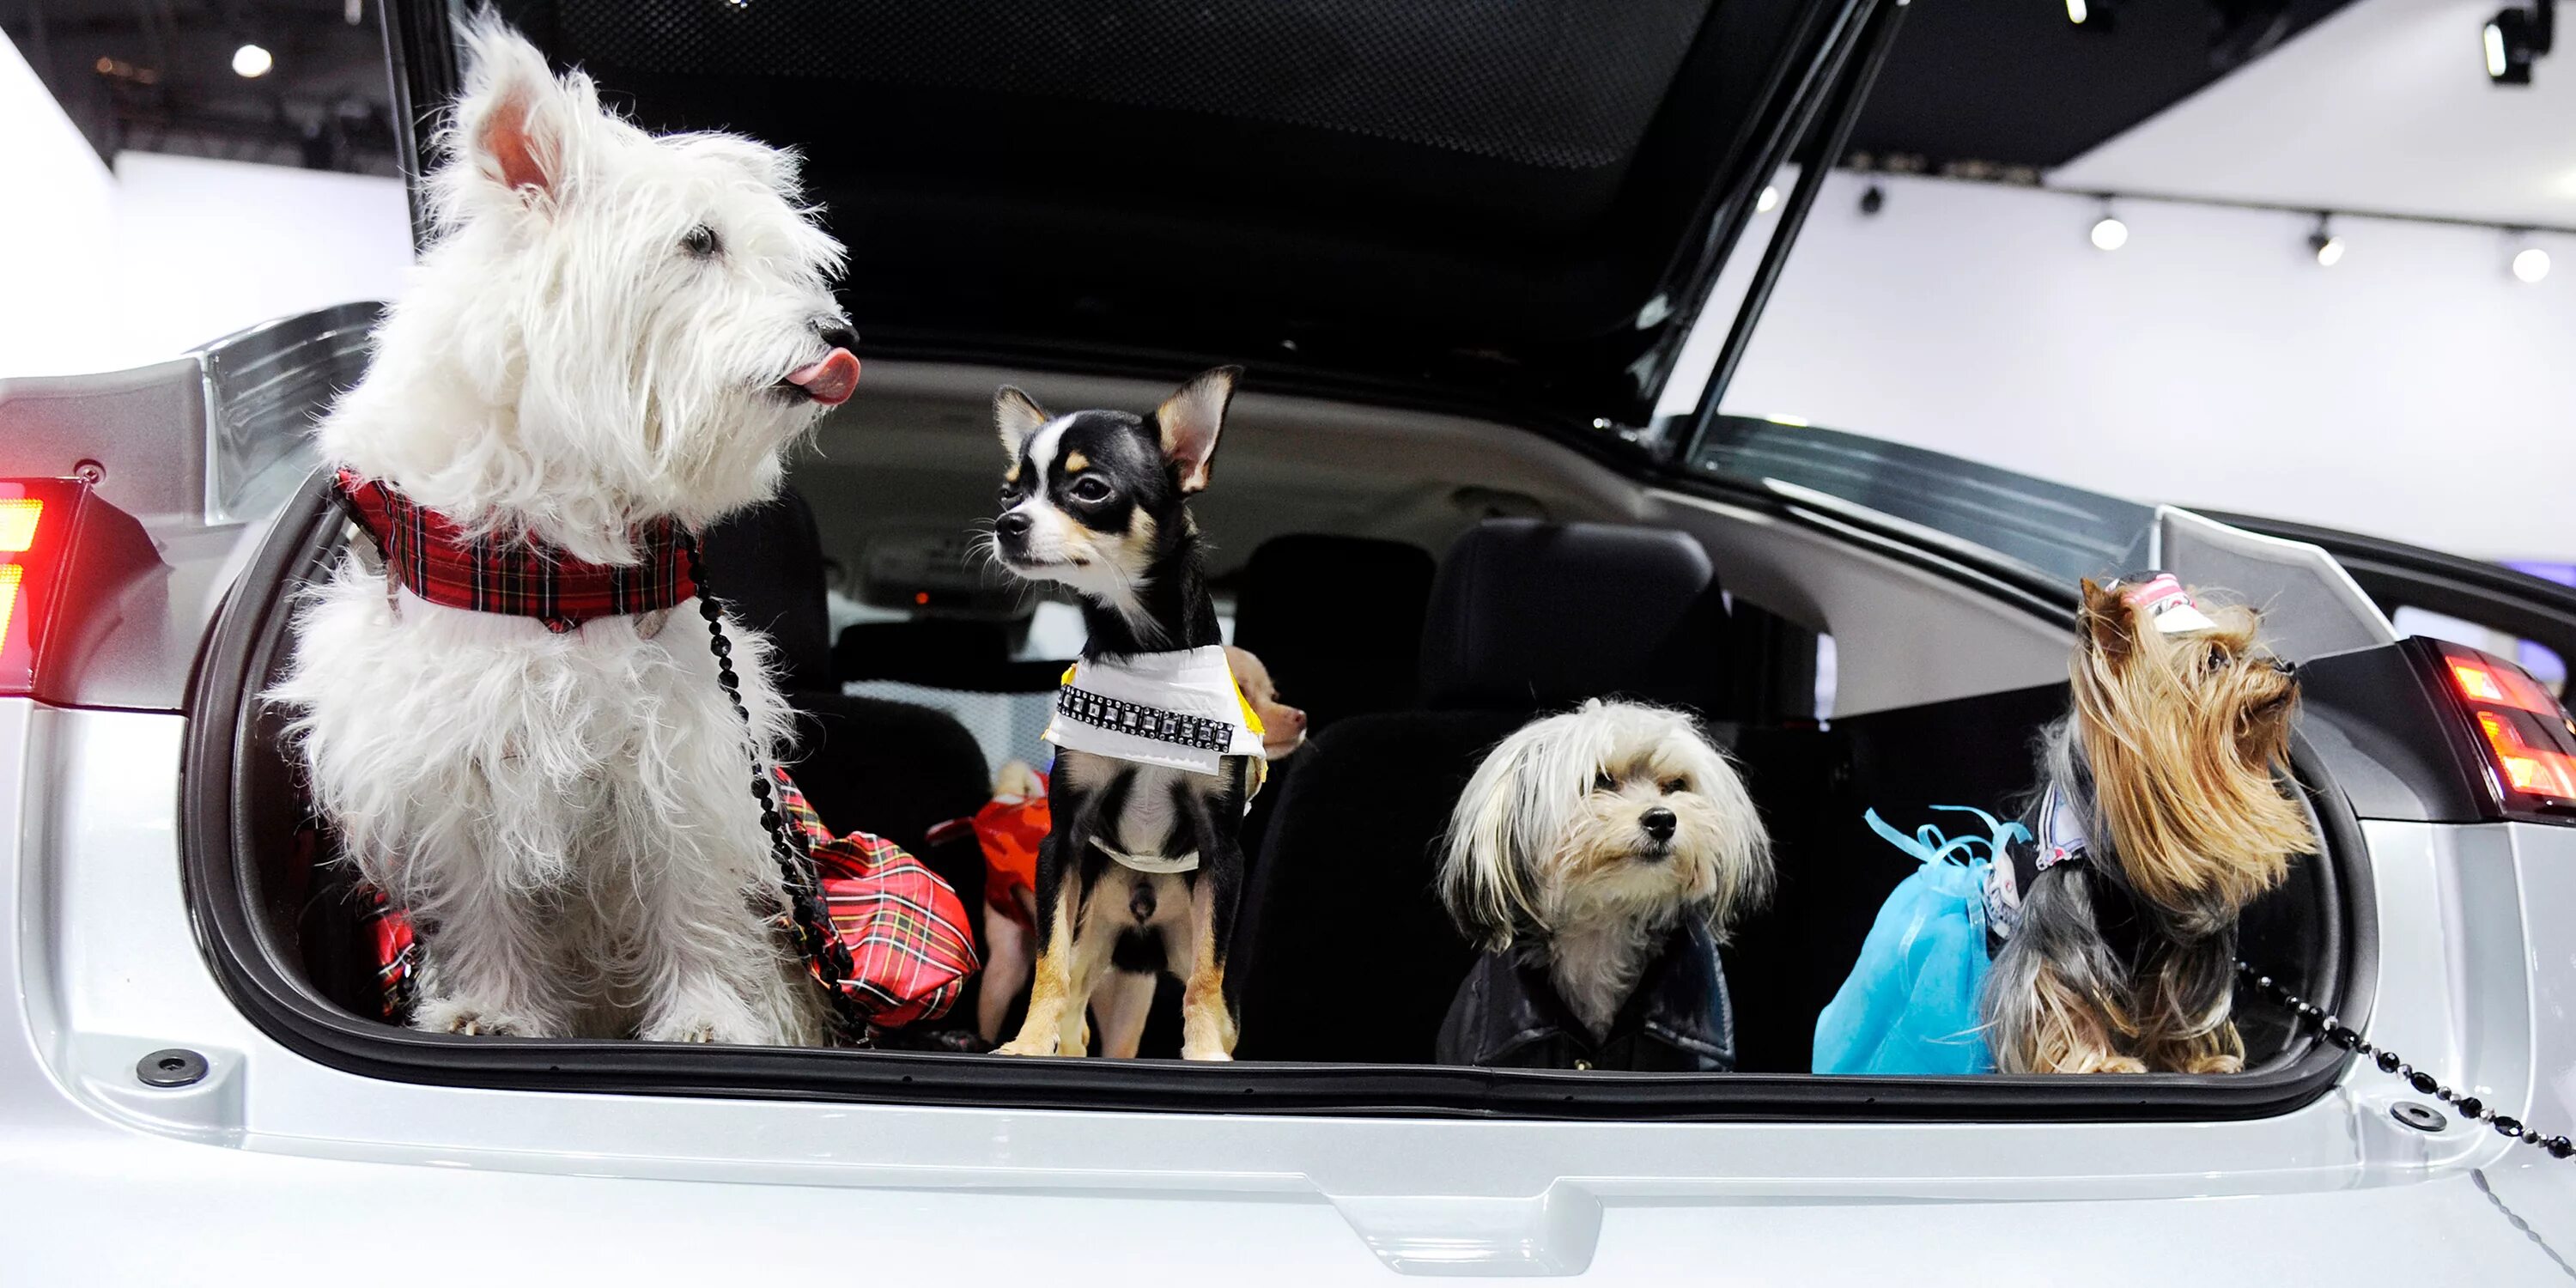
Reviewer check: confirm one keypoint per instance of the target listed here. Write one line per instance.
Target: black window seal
(257, 975)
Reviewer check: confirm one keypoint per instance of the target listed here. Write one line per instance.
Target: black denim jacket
(1507, 1015)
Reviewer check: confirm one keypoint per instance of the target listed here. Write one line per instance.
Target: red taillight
(2528, 741)
(2540, 771)
(35, 515)
(2502, 684)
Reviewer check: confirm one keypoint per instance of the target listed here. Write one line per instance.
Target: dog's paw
(714, 1029)
(471, 1020)
(1208, 1053)
(1028, 1044)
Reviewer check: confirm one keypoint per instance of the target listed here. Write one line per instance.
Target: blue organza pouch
(1910, 1005)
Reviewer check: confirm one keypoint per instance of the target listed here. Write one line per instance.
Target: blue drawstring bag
(1910, 1005)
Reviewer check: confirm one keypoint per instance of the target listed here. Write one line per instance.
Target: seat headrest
(766, 565)
(940, 653)
(1529, 616)
(1337, 620)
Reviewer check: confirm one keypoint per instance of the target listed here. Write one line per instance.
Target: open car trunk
(1487, 217)
(293, 944)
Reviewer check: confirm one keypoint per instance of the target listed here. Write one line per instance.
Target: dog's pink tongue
(829, 382)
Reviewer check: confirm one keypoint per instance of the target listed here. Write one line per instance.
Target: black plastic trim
(256, 973)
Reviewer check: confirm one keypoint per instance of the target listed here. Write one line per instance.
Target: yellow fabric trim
(1251, 719)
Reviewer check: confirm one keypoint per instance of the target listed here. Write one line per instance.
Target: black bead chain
(2333, 1030)
(812, 920)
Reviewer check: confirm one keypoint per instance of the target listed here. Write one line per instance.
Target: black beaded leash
(811, 918)
(2333, 1029)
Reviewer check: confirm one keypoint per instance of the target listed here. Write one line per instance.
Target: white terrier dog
(611, 343)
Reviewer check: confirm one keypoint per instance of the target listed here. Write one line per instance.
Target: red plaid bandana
(432, 558)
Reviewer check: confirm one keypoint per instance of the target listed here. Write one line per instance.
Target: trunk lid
(1517, 205)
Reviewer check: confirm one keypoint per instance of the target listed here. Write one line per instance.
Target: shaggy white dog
(611, 330)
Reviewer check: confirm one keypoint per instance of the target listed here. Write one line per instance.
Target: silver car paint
(276, 1169)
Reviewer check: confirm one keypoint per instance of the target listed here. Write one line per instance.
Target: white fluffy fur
(1547, 854)
(570, 816)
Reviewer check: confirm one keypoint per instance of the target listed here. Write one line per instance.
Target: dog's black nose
(1658, 822)
(836, 332)
(1012, 526)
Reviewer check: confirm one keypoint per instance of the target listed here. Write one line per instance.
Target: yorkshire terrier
(2164, 813)
(1598, 858)
(1158, 751)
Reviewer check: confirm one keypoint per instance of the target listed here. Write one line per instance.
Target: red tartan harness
(900, 927)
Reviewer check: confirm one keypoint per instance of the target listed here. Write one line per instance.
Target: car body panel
(107, 970)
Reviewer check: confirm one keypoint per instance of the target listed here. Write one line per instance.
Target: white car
(1459, 246)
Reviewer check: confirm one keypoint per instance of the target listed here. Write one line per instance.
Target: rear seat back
(893, 769)
(1342, 951)
(1337, 620)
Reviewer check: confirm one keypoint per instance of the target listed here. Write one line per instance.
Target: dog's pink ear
(515, 118)
(1016, 416)
(1189, 421)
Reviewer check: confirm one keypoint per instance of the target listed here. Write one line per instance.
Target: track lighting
(2515, 37)
(2108, 232)
(250, 62)
(2531, 264)
(2328, 247)
(1873, 199)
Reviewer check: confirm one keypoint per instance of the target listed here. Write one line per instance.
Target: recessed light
(251, 62)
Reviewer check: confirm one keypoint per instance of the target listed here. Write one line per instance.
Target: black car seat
(1342, 952)
(1338, 620)
(894, 769)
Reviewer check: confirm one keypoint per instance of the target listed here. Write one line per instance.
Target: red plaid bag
(904, 928)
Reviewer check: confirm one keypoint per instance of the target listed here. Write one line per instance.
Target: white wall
(101, 270)
(58, 299)
(2415, 389)
(210, 247)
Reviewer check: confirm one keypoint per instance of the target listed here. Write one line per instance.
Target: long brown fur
(2184, 736)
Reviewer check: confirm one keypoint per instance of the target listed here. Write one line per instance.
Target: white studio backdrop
(2415, 389)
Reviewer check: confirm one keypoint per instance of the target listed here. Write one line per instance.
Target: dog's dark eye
(2216, 661)
(1090, 490)
(702, 242)
(1010, 494)
(1672, 785)
(1603, 782)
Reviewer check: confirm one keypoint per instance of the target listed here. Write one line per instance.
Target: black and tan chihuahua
(1157, 752)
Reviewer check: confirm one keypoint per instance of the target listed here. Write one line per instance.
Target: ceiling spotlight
(251, 62)
(2531, 264)
(1873, 199)
(2515, 37)
(2109, 233)
(2328, 247)
(2076, 12)
(1768, 201)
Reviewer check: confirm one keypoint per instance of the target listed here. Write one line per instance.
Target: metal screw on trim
(89, 472)
(2419, 1117)
(171, 1067)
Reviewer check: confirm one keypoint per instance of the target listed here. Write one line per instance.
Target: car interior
(1422, 585)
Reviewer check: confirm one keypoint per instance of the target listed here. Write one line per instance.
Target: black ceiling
(1972, 84)
(157, 76)
(2014, 83)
